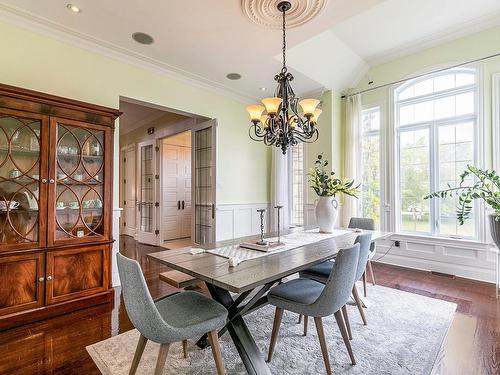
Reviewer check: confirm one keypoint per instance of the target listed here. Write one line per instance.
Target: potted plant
(327, 186)
(476, 183)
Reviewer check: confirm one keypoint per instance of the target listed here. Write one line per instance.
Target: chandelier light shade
(282, 125)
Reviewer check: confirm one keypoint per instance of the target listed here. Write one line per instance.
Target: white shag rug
(404, 334)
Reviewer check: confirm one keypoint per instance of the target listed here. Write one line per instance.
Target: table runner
(291, 241)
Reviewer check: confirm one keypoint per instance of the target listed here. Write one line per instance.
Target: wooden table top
(251, 273)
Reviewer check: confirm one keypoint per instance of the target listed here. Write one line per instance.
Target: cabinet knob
(49, 278)
(41, 279)
(44, 180)
(51, 181)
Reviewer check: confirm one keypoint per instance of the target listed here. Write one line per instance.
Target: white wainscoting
(240, 220)
(469, 259)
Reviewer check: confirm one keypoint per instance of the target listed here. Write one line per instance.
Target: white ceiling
(135, 116)
(202, 41)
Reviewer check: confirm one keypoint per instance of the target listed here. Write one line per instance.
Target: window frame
(381, 132)
(433, 128)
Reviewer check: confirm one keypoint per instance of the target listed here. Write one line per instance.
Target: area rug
(404, 334)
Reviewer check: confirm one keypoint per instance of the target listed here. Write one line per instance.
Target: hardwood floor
(57, 345)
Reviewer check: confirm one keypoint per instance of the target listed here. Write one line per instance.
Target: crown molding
(457, 32)
(43, 26)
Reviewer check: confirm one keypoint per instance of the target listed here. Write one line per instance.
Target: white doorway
(175, 185)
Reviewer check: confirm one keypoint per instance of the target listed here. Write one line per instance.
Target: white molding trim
(115, 249)
(468, 28)
(32, 22)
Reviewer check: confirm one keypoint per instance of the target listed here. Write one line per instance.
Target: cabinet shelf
(22, 152)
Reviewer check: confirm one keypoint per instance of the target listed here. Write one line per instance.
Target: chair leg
(364, 283)
(359, 304)
(306, 320)
(370, 268)
(346, 320)
(322, 342)
(162, 358)
(343, 331)
(138, 354)
(274, 336)
(185, 348)
(213, 338)
(300, 319)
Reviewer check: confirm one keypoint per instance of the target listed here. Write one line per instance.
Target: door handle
(178, 205)
(182, 204)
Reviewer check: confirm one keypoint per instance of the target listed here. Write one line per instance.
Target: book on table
(269, 246)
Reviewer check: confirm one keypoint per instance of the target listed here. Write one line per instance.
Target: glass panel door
(204, 185)
(147, 193)
(78, 176)
(23, 172)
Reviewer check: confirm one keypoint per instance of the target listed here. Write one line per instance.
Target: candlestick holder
(261, 242)
(278, 208)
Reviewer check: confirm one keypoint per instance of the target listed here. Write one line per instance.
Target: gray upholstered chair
(311, 298)
(366, 224)
(322, 271)
(175, 318)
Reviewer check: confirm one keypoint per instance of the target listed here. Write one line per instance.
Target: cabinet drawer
(74, 273)
(22, 282)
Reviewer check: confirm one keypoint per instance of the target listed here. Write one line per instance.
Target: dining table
(242, 288)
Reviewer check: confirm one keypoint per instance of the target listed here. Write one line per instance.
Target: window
(370, 164)
(296, 166)
(435, 121)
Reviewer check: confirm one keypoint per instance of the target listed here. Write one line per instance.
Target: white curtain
(279, 189)
(352, 151)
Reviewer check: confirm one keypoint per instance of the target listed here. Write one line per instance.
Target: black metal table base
(242, 338)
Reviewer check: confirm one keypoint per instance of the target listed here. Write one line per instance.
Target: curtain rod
(421, 75)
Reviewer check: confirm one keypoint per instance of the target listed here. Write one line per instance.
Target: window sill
(434, 240)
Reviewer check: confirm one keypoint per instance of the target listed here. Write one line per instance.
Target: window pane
(465, 103)
(445, 82)
(464, 79)
(455, 152)
(414, 180)
(370, 194)
(424, 87)
(371, 119)
(444, 107)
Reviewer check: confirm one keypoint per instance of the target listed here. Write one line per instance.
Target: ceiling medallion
(278, 122)
(266, 13)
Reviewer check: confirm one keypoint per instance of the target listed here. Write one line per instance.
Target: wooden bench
(178, 279)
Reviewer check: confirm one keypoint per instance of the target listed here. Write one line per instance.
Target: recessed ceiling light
(73, 8)
(142, 38)
(234, 76)
(262, 89)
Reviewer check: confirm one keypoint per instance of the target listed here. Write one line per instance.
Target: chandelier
(278, 121)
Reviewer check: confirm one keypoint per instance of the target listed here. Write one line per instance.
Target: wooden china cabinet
(56, 165)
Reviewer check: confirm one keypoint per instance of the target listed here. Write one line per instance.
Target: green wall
(330, 138)
(37, 62)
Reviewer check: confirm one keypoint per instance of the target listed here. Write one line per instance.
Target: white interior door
(204, 142)
(146, 194)
(128, 190)
(176, 183)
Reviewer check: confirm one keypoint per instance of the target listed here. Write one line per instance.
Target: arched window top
(436, 83)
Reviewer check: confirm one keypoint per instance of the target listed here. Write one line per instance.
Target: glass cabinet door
(23, 177)
(78, 188)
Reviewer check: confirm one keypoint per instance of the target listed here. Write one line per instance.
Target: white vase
(326, 214)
